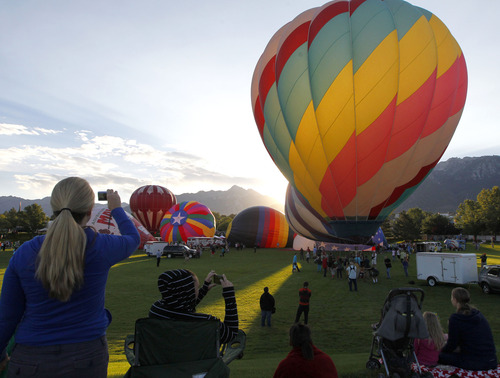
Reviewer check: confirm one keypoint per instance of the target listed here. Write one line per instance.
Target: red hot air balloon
(149, 204)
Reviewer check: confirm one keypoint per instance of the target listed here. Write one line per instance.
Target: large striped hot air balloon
(356, 101)
(260, 226)
(187, 219)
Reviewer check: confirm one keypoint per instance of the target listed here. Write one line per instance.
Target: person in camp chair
(180, 294)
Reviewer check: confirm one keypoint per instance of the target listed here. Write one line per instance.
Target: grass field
(340, 320)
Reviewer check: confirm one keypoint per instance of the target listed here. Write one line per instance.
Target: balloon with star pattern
(185, 220)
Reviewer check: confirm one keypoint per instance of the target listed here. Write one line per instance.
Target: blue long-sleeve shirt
(40, 320)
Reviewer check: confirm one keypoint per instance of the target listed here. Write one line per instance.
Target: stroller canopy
(402, 316)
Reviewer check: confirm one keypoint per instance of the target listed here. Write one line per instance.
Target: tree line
(473, 217)
(31, 219)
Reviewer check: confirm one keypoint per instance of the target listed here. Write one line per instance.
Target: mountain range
(448, 185)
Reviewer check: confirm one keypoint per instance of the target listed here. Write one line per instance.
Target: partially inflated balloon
(356, 101)
(187, 219)
(260, 226)
(102, 221)
(304, 220)
(149, 204)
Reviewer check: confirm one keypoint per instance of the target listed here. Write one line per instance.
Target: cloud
(10, 129)
(109, 162)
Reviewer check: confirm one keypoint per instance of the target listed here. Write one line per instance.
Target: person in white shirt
(353, 275)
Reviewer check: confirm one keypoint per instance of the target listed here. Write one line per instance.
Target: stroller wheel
(373, 364)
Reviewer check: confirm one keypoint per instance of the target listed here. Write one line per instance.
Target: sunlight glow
(248, 299)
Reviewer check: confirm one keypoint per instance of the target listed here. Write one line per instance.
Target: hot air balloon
(187, 219)
(356, 101)
(260, 226)
(102, 222)
(304, 220)
(149, 204)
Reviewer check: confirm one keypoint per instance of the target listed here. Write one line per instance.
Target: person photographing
(181, 293)
(53, 291)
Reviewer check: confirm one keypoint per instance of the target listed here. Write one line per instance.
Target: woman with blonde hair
(470, 342)
(53, 290)
(427, 350)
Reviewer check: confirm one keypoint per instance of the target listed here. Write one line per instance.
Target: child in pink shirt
(427, 350)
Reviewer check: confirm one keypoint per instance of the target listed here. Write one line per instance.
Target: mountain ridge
(448, 185)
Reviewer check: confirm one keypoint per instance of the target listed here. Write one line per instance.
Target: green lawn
(340, 320)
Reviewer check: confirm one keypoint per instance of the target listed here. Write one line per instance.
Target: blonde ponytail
(61, 260)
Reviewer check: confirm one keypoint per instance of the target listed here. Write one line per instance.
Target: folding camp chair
(175, 348)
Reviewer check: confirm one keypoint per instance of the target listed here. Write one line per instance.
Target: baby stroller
(401, 322)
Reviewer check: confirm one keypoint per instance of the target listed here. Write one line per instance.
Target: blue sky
(128, 93)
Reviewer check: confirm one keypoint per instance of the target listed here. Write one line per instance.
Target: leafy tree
(418, 216)
(489, 202)
(222, 221)
(33, 218)
(4, 225)
(469, 218)
(386, 227)
(405, 227)
(12, 218)
(437, 224)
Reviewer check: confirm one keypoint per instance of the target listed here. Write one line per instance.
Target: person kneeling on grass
(305, 360)
(181, 293)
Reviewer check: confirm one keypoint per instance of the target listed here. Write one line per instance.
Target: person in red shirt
(305, 360)
(304, 296)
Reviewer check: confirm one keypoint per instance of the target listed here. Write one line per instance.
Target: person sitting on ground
(427, 350)
(181, 293)
(305, 360)
(469, 331)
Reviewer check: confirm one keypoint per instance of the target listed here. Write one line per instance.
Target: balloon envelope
(261, 226)
(102, 222)
(149, 204)
(304, 220)
(187, 219)
(356, 101)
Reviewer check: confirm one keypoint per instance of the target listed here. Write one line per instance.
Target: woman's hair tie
(65, 208)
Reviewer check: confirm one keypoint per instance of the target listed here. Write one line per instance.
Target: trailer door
(449, 269)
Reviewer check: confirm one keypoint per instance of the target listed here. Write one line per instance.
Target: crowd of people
(362, 265)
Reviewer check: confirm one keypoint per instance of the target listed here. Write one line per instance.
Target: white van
(429, 247)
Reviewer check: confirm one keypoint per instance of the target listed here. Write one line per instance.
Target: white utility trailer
(153, 247)
(458, 268)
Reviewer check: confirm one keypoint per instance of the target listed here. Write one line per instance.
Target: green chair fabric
(175, 348)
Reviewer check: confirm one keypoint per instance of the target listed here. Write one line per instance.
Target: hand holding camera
(217, 279)
(112, 197)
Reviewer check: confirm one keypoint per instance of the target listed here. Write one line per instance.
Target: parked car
(455, 244)
(489, 278)
(179, 251)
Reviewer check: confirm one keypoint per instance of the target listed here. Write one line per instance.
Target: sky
(127, 93)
